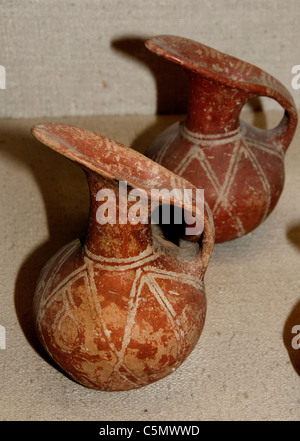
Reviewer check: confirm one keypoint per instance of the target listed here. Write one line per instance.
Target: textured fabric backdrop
(86, 57)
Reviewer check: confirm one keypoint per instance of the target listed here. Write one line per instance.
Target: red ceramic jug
(240, 167)
(124, 307)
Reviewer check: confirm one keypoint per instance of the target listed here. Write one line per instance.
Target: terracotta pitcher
(126, 306)
(240, 167)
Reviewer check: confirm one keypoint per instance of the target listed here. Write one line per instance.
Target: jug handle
(205, 237)
(206, 240)
(283, 133)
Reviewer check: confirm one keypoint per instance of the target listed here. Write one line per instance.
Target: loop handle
(283, 133)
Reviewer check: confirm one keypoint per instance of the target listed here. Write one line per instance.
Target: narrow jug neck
(213, 108)
(111, 232)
